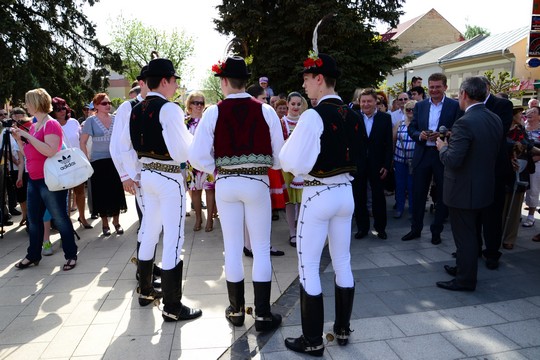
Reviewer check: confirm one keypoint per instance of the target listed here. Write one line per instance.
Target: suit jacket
(502, 108)
(469, 160)
(376, 151)
(450, 112)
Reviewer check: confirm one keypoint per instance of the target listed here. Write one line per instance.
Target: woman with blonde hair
(197, 180)
(43, 140)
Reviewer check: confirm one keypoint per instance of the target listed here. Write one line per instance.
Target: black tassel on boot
(173, 309)
(312, 313)
(236, 313)
(344, 305)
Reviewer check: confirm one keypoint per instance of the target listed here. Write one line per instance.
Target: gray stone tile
(389, 283)
(402, 301)
(532, 353)
(525, 333)
(25, 329)
(508, 355)
(376, 350)
(472, 316)
(434, 254)
(28, 351)
(515, 310)
(96, 340)
(64, 343)
(428, 347)
(140, 347)
(384, 259)
(373, 329)
(480, 341)
(410, 257)
(195, 354)
(369, 305)
(422, 323)
(8, 314)
(535, 300)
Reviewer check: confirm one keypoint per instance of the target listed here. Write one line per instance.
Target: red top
(34, 159)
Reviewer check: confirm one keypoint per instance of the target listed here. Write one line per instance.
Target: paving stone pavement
(92, 311)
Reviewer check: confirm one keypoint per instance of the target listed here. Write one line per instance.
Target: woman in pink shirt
(42, 141)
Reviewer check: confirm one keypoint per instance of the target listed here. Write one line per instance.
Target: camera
(7, 123)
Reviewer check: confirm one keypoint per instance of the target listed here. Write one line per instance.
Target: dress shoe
(411, 235)
(536, 238)
(14, 212)
(492, 263)
(450, 270)
(360, 234)
(453, 285)
(382, 235)
(275, 252)
(248, 252)
(436, 239)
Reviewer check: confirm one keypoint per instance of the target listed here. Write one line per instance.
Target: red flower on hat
(219, 67)
(313, 60)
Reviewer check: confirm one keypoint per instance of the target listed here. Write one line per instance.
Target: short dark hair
(369, 92)
(414, 78)
(475, 88)
(419, 90)
(255, 90)
(153, 82)
(237, 83)
(438, 77)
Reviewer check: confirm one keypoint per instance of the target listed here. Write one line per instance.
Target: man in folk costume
(161, 140)
(321, 150)
(242, 138)
(121, 147)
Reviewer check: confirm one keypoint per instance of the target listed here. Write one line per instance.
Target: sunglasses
(105, 103)
(3, 114)
(60, 108)
(409, 110)
(198, 103)
(405, 99)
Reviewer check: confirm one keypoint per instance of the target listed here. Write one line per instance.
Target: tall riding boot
(312, 314)
(264, 319)
(344, 305)
(156, 270)
(147, 293)
(236, 312)
(173, 309)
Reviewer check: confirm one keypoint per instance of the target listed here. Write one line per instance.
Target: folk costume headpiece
(319, 63)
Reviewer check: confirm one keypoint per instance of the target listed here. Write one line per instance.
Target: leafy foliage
(473, 30)
(51, 44)
(134, 41)
(503, 83)
(212, 92)
(278, 33)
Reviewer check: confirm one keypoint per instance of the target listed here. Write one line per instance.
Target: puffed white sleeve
(128, 155)
(201, 152)
(276, 133)
(299, 153)
(175, 133)
(119, 142)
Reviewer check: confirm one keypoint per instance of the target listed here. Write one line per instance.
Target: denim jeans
(40, 198)
(404, 181)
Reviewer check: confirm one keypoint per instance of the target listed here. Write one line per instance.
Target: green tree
(212, 89)
(473, 30)
(51, 44)
(503, 83)
(135, 42)
(278, 33)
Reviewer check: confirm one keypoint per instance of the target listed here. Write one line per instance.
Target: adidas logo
(65, 160)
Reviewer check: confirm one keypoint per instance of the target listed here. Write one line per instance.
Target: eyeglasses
(403, 99)
(105, 103)
(409, 110)
(3, 113)
(60, 108)
(198, 103)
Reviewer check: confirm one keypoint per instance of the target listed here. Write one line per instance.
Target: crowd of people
(256, 153)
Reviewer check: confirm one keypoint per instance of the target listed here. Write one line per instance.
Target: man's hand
(441, 143)
(383, 172)
(130, 186)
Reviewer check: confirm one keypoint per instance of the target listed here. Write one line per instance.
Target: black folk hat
(141, 76)
(160, 67)
(234, 67)
(321, 64)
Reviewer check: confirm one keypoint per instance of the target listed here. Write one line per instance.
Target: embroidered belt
(162, 167)
(261, 170)
(312, 183)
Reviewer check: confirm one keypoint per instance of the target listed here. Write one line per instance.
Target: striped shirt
(404, 144)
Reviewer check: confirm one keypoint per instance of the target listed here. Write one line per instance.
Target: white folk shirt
(201, 152)
(300, 152)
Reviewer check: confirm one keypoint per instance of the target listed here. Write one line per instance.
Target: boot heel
(235, 318)
(267, 323)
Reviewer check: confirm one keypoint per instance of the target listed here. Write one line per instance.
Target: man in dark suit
(374, 161)
(469, 159)
(429, 116)
(490, 224)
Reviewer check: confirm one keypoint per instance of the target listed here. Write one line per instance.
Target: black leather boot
(311, 341)
(156, 270)
(344, 305)
(236, 312)
(173, 309)
(147, 293)
(264, 319)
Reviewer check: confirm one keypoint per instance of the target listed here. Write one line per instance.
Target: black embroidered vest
(339, 139)
(146, 131)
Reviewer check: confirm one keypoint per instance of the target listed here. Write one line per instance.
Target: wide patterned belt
(162, 167)
(312, 183)
(261, 170)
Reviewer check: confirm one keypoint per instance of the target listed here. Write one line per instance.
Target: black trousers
(490, 224)
(430, 167)
(361, 213)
